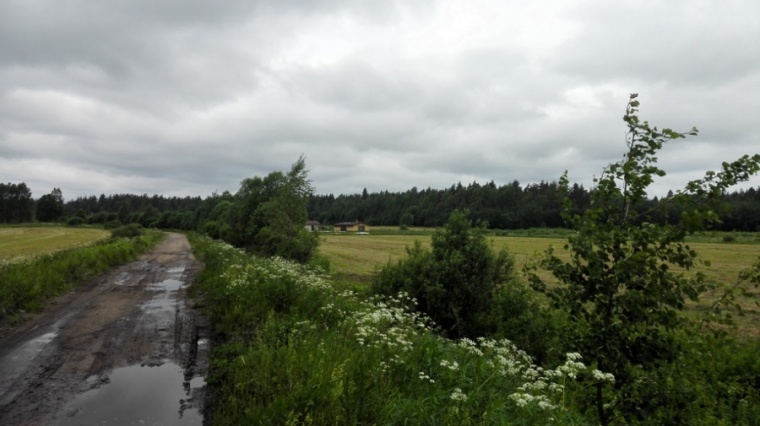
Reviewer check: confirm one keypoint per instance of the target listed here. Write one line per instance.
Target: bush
(456, 282)
(75, 221)
(112, 224)
(128, 231)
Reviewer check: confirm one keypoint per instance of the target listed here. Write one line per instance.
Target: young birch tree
(619, 288)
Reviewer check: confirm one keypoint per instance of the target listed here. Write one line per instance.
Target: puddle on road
(172, 283)
(155, 393)
(167, 285)
(167, 291)
(140, 396)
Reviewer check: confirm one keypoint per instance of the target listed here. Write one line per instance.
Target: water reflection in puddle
(141, 396)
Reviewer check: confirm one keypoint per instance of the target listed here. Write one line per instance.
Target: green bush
(456, 282)
(128, 231)
(75, 221)
(112, 224)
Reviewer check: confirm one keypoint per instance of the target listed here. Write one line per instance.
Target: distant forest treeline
(510, 206)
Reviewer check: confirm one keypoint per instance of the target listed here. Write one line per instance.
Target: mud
(126, 348)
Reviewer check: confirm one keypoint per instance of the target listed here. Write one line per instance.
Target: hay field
(19, 243)
(356, 258)
(360, 255)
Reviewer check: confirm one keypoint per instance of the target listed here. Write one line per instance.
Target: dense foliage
(455, 282)
(16, 203)
(510, 206)
(50, 207)
(266, 216)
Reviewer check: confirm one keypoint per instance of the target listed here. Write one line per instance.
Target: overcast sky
(188, 97)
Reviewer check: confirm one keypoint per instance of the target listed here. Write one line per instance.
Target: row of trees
(510, 206)
(16, 203)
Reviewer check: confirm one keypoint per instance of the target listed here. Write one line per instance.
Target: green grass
(19, 243)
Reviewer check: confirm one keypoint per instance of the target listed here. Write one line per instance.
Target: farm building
(351, 227)
(313, 225)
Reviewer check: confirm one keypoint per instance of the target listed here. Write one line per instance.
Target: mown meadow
(26, 242)
(354, 259)
(44, 262)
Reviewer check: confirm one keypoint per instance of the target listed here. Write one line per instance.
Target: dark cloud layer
(190, 97)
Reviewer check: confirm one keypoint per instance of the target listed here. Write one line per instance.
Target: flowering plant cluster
(380, 348)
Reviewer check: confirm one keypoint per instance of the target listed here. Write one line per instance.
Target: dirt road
(126, 348)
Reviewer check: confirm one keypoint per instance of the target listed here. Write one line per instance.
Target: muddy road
(125, 348)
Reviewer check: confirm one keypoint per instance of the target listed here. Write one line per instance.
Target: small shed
(313, 225)
(351, 227)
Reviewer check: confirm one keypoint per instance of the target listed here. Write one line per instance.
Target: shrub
(128, 231)
(75, 221)
(112, 224)
(456, 282)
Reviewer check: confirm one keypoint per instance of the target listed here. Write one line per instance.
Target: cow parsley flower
(458, 395)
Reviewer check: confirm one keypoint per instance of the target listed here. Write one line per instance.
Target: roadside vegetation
(291, 348)
(619, 324)
(25, 285)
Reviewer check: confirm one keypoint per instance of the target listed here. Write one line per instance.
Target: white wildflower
(458, 395)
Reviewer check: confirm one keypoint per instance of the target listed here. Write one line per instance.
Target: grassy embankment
(37, 263)
(292, 348)
(355, 258)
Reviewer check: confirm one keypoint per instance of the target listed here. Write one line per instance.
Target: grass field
(355, 258)
(19, 243)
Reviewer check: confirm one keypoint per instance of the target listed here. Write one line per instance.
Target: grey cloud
(692, 44)
(173, 96)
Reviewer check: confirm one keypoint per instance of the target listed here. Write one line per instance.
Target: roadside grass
(291, 348)
(26, 242)
(26, 284)
(355, 258)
